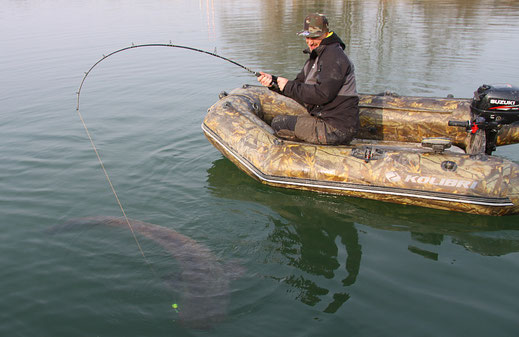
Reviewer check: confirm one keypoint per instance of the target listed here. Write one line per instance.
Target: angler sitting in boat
(405, 152)
(300, 135)
(325, 86)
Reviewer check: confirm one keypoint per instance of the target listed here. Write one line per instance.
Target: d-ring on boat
(429, 152)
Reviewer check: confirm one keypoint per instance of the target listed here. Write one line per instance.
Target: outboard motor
(492, 107)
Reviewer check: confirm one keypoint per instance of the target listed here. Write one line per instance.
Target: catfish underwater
(204, 281)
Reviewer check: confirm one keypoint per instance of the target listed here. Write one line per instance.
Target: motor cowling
(496, 103)
(492, 107)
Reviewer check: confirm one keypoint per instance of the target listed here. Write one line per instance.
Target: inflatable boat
(429, 152)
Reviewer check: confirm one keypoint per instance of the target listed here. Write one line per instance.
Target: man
(325, 86)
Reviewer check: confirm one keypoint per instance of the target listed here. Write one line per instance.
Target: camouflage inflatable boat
(430, 152)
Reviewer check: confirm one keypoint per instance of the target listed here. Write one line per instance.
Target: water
(311, 264)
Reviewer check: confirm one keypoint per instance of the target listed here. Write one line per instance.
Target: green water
(309, 264)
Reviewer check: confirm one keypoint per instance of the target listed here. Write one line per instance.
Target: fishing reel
(492, 107)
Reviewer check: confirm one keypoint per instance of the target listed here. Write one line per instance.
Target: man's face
(314, 42)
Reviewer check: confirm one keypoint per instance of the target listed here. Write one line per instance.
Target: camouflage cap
(315, 25)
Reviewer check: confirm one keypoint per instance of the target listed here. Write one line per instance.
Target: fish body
(203, 282)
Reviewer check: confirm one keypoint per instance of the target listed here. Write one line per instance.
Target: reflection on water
(412, 47)
(208, 7)
(145, 107)
(319, 245)
(318, 234)
(317, 252)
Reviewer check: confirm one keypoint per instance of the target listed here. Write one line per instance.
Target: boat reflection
(319, 234)
(318, 246)
(319, 251)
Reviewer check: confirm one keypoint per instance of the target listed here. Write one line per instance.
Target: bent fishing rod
(92, 141)
(255, 73)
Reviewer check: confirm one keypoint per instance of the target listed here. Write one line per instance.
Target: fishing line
(92, 141)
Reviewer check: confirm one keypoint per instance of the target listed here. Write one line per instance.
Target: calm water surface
(307, 264)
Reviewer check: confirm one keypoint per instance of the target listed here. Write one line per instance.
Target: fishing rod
(255, 73)
(175, 307)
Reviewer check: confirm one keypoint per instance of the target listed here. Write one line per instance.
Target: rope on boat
(92, 141)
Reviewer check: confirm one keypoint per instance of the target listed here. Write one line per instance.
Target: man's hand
(282, 82)
(266, 80)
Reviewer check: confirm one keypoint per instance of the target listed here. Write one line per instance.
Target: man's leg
(309, 129)
(284, 126)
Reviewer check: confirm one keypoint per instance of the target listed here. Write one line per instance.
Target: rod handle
(464, 124)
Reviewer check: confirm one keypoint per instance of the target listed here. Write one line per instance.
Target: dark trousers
(310, 129)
